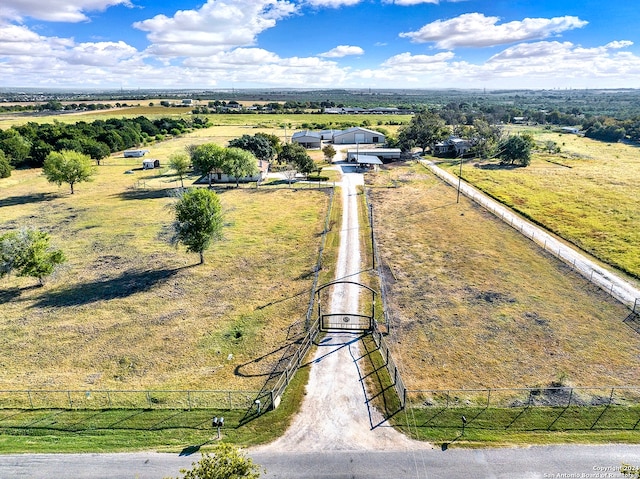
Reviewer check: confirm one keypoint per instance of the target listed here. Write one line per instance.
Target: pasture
(476, 305)
(586, 194)
(130, 311)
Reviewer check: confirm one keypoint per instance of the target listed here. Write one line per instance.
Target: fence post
(148, 399)
(189, 400)
(489, 397)
(570, 397)
(230, 405)
(30, 400)
(69, 397)
(611, 396)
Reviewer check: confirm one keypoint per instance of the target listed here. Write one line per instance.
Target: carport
(368, 161)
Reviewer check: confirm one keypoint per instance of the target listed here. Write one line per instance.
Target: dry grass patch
(474, 304)
(587, 194)
(129, 311)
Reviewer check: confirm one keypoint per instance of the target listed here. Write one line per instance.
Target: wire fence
(123, 399)
(604, 279)
(552, 396)
(391, 367)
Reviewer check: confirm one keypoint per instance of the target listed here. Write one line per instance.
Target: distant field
(128, 310)
(277, 122)
(588, 194)
(476, 305)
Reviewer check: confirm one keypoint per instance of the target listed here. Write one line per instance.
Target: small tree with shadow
(27, 253)
(198, 220)
(180, 163)
(67, 166)
(226, 462)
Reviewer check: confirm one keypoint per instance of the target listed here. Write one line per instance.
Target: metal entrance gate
(346, 321)
(350, 322)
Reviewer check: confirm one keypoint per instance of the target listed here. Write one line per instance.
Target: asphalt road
(508, 463)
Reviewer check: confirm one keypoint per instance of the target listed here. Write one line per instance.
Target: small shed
(150, 164)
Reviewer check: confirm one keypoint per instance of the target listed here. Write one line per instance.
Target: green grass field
(587, 194)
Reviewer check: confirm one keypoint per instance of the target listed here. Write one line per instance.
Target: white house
(308, 139)
(452, 146)
(357, 135)
(220, 177)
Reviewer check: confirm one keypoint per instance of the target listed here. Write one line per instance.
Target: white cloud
(478, 30)
(417, 62)
(54, 10)
(419, 2)
(218, 25)
(102, 54)
(332, 3)
(342, 51)
(255, 66)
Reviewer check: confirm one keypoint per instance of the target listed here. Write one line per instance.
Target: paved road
(521, 463)
(615, 285)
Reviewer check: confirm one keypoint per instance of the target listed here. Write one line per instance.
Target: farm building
(357, 135)
(368, 161)
(308, 139)
(383, 154)
(135, 153)
(150, 164)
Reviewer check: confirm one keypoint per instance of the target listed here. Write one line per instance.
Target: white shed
(150, 164)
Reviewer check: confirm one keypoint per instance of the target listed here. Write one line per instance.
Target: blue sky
(536, 44)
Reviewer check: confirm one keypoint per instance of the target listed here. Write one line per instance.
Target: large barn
(308, 139)
(357, 135)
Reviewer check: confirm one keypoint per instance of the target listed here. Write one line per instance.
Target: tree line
(30, 144)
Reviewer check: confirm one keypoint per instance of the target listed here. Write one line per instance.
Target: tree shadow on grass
(26, 199)
(146, 194)
(127, 284)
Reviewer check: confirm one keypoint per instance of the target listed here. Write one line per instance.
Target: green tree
(207, 158)
(485, 139)
(239, 163)
(516, 149)
(15, 146)
(198, 220)
(5, 166)
(227, 462)
(96, 150)
(27, 253)
(274, 140)
(259, 145)
(329, 152)
(179, 162)
(67, 166)
(295, 154)
(424, 130)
